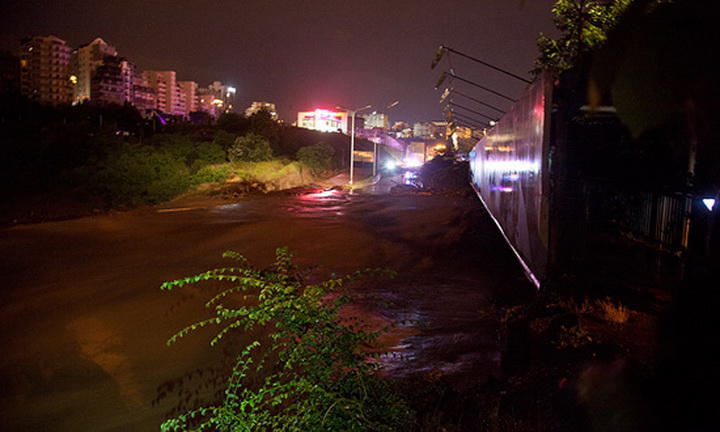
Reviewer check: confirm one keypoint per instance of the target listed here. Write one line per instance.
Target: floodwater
(84, 322)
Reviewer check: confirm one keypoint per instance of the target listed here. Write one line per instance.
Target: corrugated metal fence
(660, 218)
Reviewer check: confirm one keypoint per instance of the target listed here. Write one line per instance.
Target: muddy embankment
(244, 180)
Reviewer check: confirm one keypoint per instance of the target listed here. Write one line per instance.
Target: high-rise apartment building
(169, 97)
(112, 81)
(85, 60)
(189, 91)
(144, 96)
(44, 69)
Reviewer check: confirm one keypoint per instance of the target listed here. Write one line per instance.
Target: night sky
(303, 54)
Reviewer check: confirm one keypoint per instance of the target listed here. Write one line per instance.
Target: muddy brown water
(84, 322)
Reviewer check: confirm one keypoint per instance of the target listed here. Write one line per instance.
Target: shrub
(135, 174)
(211, 174)
(195, 154)
(233, 123)
(224, 139)
(250, 148)
(318, 157)
(312, 374)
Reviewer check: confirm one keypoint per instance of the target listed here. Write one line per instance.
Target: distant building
(404, 133)
(84, 61)
(112, 82)
(324, 120)
(207, 102)
(441, 129)
(376, 120)
(189, 91)
(223, 96)
(170, 99)
(44, 70)
(401, 129)
(430, 130)
(422, 130)
(259, 106)
(144, 96)
(9, 73)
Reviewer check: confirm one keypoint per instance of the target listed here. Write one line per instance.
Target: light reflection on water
(233, 206)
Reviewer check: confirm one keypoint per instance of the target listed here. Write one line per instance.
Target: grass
(615, 313)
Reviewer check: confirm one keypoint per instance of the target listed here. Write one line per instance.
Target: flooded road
(84, 322)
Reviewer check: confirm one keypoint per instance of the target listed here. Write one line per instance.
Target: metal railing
(655, 217)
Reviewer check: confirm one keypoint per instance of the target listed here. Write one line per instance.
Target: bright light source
(73, 79)
(709, 203)
(391, 165)
(231, 89)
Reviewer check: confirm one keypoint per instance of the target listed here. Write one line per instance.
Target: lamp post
(376, 154)
(352, 112)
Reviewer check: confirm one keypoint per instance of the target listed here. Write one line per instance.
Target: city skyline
(379, 52)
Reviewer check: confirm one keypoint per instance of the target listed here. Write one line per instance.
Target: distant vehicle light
(709, 203)
(391, 165)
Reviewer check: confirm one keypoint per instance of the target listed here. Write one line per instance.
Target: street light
(376, 154)
(352, 112)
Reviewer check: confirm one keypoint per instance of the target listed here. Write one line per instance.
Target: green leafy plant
(318, 157)
(224, 139)
(250, 148)
(137, 174)
(310, 374)
(211, 173)
(583, 26)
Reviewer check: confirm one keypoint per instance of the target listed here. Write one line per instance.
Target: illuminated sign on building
(323, 120)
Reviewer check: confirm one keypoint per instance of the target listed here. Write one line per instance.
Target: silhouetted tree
(233, 123)
(262, 123)
(583, 26)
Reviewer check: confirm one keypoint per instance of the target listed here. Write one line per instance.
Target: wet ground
(84, 322)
